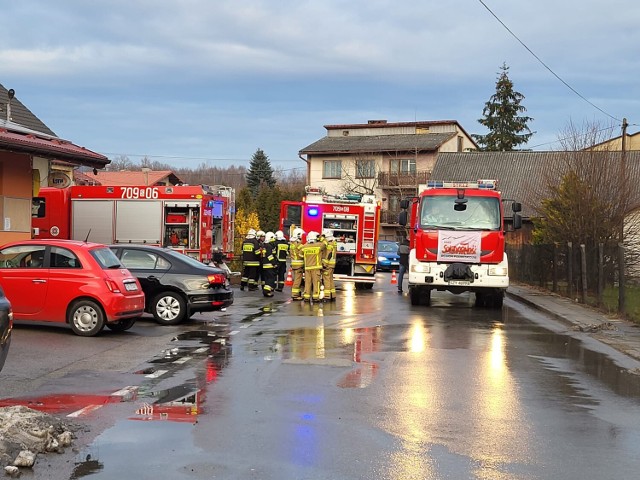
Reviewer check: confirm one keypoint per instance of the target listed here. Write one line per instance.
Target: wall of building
(16, 189)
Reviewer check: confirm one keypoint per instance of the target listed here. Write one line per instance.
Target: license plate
(459, 282)
(130, 287)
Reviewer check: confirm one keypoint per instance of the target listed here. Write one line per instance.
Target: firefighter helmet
(251, 233)
(279, 235)
(260, 233)
(328, 234)
(269, 237)
(297, 234)
(312, 237)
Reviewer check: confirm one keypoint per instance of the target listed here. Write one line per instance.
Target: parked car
(175, 285)
(67, 281)
(6, 326)
(388, 258)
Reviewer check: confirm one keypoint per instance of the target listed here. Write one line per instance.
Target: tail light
(217, 278)
(112, 286)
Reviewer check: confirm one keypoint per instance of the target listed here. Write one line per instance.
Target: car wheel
(86, 318)
(169, 308)
(122, 325)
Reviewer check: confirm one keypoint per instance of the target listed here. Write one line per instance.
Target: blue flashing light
(313, 212)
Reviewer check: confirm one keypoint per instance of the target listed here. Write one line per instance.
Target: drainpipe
(308, 168)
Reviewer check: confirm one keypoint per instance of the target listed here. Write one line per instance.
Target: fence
(588, 274)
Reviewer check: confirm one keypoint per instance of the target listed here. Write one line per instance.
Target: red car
(67, 281)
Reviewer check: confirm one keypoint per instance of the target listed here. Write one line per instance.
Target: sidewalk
(621, 335)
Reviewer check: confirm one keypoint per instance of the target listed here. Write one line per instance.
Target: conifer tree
(503, 118)
(260, 172)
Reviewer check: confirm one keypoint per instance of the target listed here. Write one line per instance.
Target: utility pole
(623, 211)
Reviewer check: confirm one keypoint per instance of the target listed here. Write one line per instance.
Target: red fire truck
(193, 219)
(457, 241)
(354, 220)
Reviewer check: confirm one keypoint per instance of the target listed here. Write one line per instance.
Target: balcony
(389, 217)
(402, 179)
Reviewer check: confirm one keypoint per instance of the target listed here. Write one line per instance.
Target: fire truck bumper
(468, 278)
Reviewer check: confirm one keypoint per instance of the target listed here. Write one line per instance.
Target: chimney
(376, 122)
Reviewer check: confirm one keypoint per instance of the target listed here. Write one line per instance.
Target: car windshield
(479, 213)
(388, 247)
(106, 258)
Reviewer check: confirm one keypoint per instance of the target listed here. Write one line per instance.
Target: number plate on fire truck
(459, 282)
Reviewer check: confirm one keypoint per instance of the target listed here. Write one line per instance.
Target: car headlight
(382, 259)
(498, 271)
(420, 268)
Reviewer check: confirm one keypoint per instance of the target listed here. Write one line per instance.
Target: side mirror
(517, 221)
(516, 206)
(404, 204)
(402, 218)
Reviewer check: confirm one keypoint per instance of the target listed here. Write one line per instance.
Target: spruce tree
(503, 118)
(260, 172)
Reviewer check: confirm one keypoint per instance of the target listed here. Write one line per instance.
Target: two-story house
(386, 159)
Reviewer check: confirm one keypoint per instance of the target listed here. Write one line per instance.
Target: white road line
(182, 360)
(127, 393)
(156, 374)
(84, 411)
(201, 350)
(233, 332)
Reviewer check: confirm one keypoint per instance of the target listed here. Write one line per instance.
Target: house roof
(522, 176)
(128, 177)
(25, 133)
(378, 143)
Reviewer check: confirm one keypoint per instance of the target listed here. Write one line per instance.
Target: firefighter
(282, 252)
(259, 277)
(269, 264)
(250, 261)
(312, 253)
(297, 262)
(329, 265)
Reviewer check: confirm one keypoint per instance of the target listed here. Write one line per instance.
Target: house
(31, 156)
(128, 177)
(632, 142)
(524, 176)
(383, 158)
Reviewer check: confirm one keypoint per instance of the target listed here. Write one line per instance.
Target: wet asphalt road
(366, 388)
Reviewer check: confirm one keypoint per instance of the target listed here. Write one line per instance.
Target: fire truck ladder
(369, 232)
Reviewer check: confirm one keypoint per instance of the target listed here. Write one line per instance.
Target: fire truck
(354, 220)
(457, 241)
(193, 219)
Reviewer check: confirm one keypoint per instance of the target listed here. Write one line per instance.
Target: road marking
(233, 332)
(84, 411)
(156, 374)
(127, 393)
(201, 350)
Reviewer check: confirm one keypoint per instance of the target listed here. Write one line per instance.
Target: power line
(545, 65)
(180, 157)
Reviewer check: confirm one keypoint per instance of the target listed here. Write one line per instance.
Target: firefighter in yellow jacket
(297, 262)
(312, 254)
(329, 265)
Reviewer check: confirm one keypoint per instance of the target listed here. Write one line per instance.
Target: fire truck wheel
(420, 296)
(121, 325)
(86, 318)
(169, 308)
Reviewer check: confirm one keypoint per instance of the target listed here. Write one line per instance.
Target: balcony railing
(389, 217)
(402, 179)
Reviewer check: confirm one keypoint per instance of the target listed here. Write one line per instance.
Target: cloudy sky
(210, 81)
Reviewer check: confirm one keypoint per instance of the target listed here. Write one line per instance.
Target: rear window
(105, 257)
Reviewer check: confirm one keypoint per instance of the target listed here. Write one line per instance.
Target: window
(332, 169)
(23, 256)
(365, 168)
(63, 258)
(136, 259)
(394, 202)
(402, 165)
(38, 207)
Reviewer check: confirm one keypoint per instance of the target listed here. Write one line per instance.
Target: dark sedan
(175, 286)
(6, 326)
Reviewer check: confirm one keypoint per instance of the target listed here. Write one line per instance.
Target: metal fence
(580, 272)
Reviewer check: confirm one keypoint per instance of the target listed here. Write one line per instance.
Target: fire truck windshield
(479, 213)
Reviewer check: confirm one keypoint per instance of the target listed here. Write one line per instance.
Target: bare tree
(360, 174)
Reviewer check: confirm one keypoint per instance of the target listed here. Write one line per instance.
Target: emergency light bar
(481, 184)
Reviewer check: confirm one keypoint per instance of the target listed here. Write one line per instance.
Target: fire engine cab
(457, 241)
(354, 220)
(193, 219)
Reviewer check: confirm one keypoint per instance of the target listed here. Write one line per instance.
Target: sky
(194, 82)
